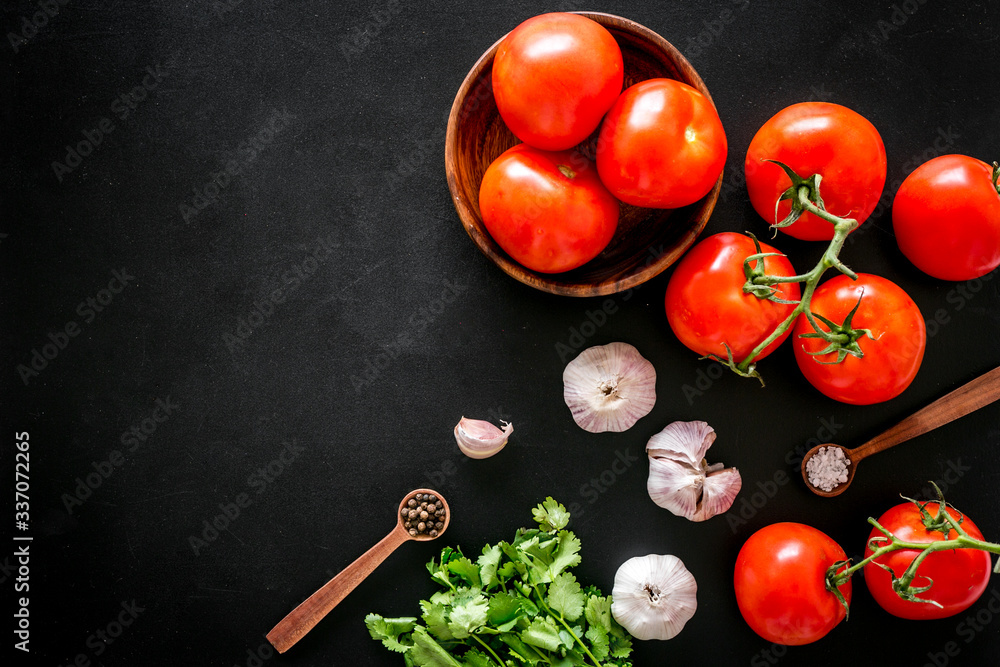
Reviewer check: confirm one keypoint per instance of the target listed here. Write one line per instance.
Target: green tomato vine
(842, 338)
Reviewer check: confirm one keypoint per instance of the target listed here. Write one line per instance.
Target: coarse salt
(827, 468)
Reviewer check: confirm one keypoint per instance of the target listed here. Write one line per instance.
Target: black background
(366, 87)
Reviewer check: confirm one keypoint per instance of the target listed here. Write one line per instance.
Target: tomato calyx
(943, 522)
(758, 282)
(842, 338)
(996, 177)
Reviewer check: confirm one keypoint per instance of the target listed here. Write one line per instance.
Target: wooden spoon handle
(969, 397)
(303, 618)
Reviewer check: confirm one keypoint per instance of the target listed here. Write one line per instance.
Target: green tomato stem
(841, 228)
(996, 177)
(962, 540)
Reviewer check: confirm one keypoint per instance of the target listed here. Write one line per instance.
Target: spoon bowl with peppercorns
(423, 515)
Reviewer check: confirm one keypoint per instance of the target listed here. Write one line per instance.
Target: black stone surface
(317, 308)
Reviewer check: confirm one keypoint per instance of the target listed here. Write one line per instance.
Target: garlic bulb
(681, 480)
(609, 387)
(654, 596)
(480, 439)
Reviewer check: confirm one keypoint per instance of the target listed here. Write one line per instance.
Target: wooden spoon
(971, 396)
(303, 618)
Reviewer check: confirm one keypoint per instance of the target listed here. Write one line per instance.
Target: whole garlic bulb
(654, 596)
(609, 387)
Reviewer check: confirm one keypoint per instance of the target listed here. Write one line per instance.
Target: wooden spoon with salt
(971, 396)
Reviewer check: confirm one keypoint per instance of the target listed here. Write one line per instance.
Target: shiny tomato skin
(706, 305)
(543, 218)
(959, 576)
(780, 583)
(554, 77)
(890, 361)
(946, 216)
(661, 145)
(817, 137)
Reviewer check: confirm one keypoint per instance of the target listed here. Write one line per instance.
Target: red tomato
(817, 138)
(661, 146)
(780, 584)
(946, 216)
(548, 211)
(959, 576)
(554, 77)
(706, 305)
(891, 359)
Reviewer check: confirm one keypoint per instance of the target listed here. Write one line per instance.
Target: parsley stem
(558, 617)
(487, 647)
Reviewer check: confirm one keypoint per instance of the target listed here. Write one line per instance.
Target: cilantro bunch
(517, 604)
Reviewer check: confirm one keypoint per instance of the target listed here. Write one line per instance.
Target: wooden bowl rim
(551, 282)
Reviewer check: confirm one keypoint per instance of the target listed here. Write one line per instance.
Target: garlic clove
(609, 387)
(480, 439)
(681, 480)
(682, 440)
(654, 596)
(719, 493)
(674, 486)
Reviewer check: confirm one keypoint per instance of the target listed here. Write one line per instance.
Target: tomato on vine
(956, 577)
(875, 340)
(837, 143)
(709, 311)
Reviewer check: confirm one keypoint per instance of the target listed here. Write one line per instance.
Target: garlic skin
(609, 387)
(480, 439)
(654, 596)
(681, 480)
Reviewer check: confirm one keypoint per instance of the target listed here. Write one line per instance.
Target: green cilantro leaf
(543, 633)
(566, 596)
(435, 617)
(428, 653)
(566, 554)
(388, 630)
(469, 616)
(598, 638)
(467, 570)
(476, 658)
(598, 611)
(488, 563)
(550, 515)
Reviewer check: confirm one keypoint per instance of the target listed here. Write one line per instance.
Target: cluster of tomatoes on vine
(815, 171)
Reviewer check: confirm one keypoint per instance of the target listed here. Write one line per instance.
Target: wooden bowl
(647, 240)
